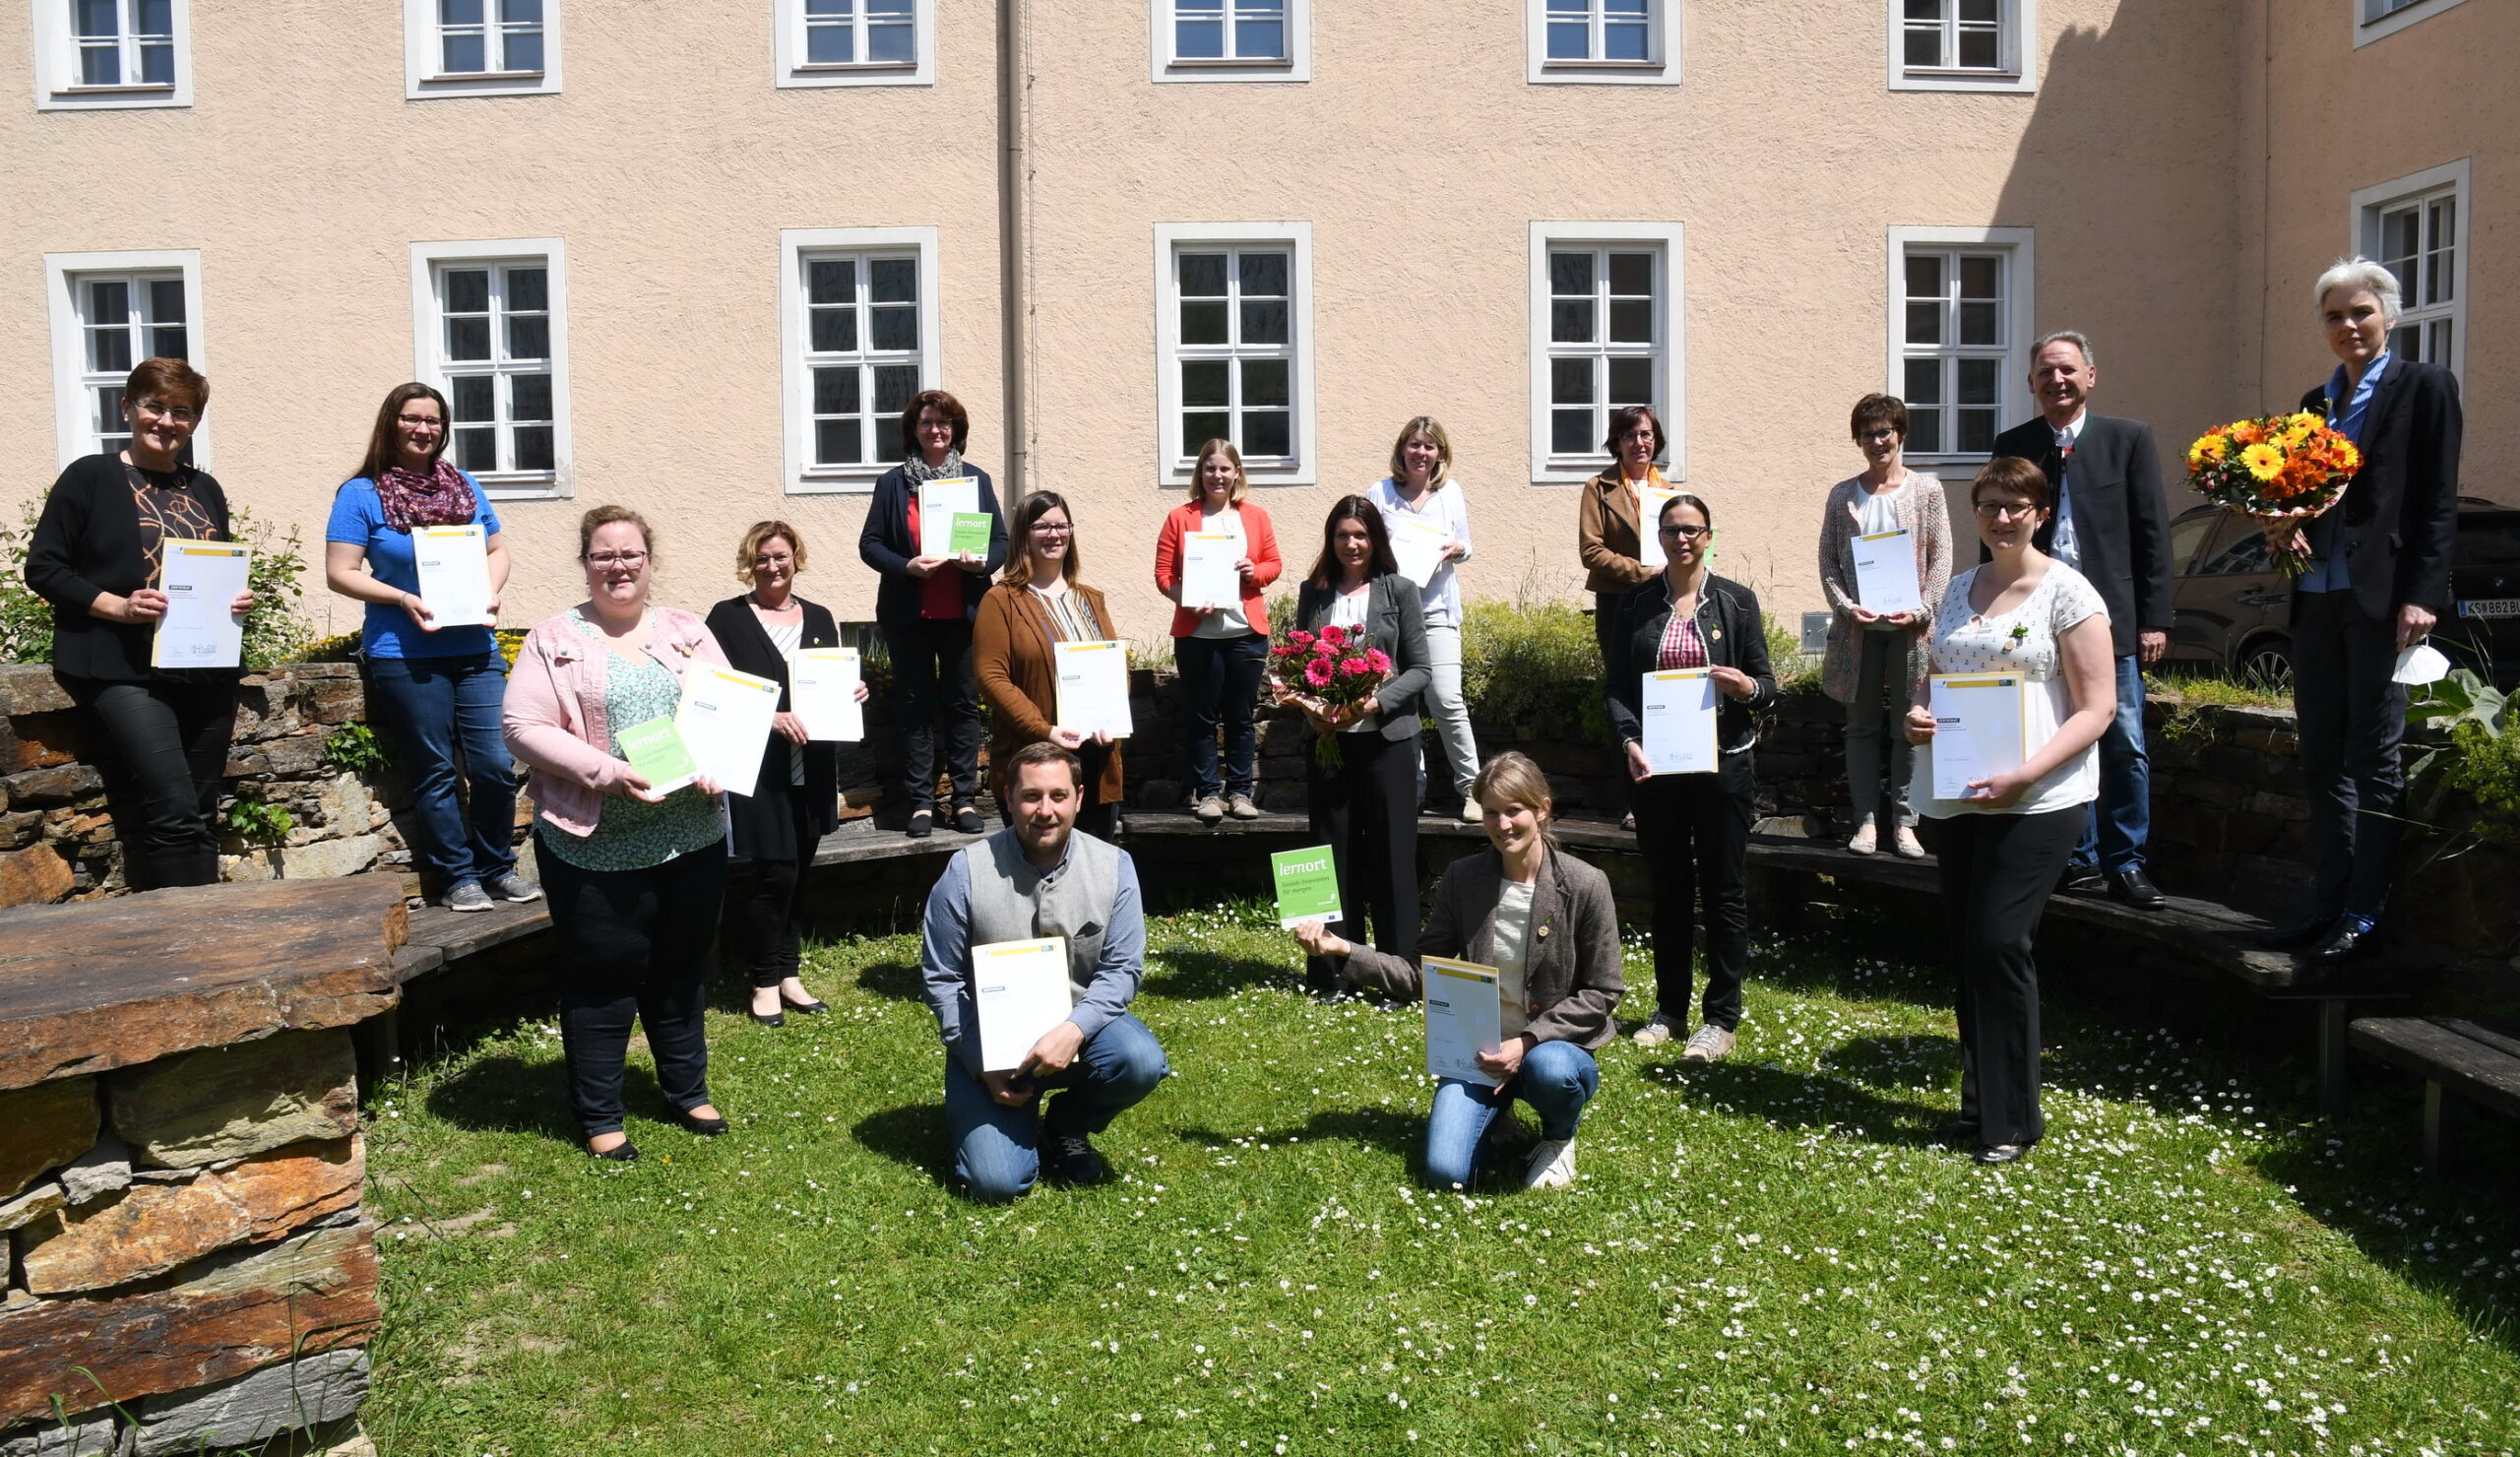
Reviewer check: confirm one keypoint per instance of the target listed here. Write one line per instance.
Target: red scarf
(439, 498)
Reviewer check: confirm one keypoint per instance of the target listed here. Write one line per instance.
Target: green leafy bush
(355, 748)
(1533, 662)
(25, 619)
(275, 631)
(2461, 727)
(256, 820)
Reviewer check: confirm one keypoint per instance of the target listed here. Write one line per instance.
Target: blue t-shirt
(358, 520)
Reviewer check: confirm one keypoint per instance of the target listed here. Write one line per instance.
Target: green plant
(341, 647)
(256, 820)
(2460, 725)
(1795, 671)
(25, 619)
(355, 748)
(1533, 662)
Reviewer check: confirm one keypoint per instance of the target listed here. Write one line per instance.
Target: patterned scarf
(920, 471)
(439, 498)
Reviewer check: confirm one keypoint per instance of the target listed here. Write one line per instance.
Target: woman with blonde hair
(1549, 925)
(1222, 648)
(1037, 604)
(1421, 496)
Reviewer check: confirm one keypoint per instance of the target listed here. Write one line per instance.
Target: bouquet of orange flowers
(2282, 469)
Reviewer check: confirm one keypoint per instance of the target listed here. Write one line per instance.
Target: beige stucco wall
(1419, 154)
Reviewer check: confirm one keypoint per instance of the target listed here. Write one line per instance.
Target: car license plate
(2490, 606)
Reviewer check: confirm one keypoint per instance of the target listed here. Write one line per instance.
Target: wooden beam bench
(2453, 1056)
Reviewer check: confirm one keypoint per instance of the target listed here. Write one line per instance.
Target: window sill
(520, 482)
(854, 68)
(137, 89)
(474, 78)
(1229, 63)
(834, 481)
(1581, 66)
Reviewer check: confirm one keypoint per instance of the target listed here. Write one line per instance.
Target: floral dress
(632, 834)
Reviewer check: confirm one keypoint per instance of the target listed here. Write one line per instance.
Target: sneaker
(1209, 811)
(1552, 1165)
(513, 887)
(1073, 1161)
(1242, 807)
(1662, 1028)
(468, 896)
(1707, 1043)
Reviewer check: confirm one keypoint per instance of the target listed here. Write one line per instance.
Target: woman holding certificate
(1039, 604)
(1428, 519)
(794, 800)
(1688, 674)
(1215, 558)
(98, 556)
(1617, 548)
(2024, 683)
(412, 537)
(1548, 923)
(934, 533)
(1885, 558)
(636, 875)
(1361, 778)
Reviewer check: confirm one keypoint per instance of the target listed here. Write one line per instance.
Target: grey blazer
(1572, 979)
(1396, 622)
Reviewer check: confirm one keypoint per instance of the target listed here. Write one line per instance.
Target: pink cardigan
(554, 710)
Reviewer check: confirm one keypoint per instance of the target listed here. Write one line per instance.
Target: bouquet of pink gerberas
(1328, 673)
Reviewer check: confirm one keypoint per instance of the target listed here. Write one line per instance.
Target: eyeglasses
(926, 427)
(415, 421)
(611, 559)
(161, 410)
(2001, 510)
(1639, 433)
(1881, 436)
(1688, 533)
(1053, 528)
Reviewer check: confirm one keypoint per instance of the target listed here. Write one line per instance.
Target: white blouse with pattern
(2025, 641)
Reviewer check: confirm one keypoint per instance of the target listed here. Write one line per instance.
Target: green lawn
(1768, 1255)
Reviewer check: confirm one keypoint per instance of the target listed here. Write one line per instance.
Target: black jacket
(1396, 622)
(2121, 519)
(2397, 519)
(1728, 617)
(886, 545)
(766, 821)
(87, 541)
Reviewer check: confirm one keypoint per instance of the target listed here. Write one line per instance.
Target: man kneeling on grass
(1037, 879)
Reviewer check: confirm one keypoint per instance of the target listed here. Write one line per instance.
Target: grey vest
(1013, 902)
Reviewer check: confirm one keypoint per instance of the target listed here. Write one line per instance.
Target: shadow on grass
(1800, 1099)
(504, 1094)
(1902, 1061)
(1196, 975)
(892, 978)
(1370, 1127)
(914, 1135)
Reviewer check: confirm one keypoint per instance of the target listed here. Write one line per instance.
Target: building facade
(690, 258)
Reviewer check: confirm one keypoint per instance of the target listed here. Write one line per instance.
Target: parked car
(2233, 610)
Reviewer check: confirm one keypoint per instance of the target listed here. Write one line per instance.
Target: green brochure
(971, 534)
(1307, 885)
(655, 749)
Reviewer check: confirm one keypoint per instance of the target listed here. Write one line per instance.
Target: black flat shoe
(2083, 880)
(2134, 888)
(624, 1152)
(2347, 940)
(813, 1008)
(705, 1127)
(2001, 1153)
(967, 820)
(774, 1019)
(923, 823)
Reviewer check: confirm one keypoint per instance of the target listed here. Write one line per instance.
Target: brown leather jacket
(1011, 657)
(1606, 535)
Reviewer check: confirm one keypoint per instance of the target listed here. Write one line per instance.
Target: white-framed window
(1978, 46)
(859, 330)
(1607, 333)
(2373, 19)
(108, 312)
(1602, 41)
(489, 329)
(2418, 228)
(1230, 39)
(481, 47)
(1962, 316)
(1233, 344)
(95, 56)
(856, 43)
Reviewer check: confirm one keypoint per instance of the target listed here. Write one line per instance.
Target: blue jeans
(2120, 820)
(1220, 676)
(1557, 1080)
(997, 1148)
(433, 709)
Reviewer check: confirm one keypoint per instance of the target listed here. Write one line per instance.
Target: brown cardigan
(1605, 536)
(1018, 674)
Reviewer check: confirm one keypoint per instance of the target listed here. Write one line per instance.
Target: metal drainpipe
(1013, 241)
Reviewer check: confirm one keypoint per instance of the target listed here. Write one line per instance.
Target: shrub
(256, 820)
(355, 748)
(1534, 663)
(274, 630)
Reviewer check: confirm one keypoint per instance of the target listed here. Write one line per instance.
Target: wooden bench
(2452, 1055)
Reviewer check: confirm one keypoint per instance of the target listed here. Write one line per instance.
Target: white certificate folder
(454, 563)
(1021, 990)
(939, 501)
(724, 722)
(1093, 687)
(822, 691)
(200, 579)
(1208, 577)
(1885, 573)
(1978, 728)
(1681, 707)
(1465, 1016)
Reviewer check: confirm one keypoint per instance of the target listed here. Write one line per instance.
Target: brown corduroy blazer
(1605, 536)
(1018, 673)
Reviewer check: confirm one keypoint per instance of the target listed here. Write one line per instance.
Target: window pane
(1632, 274)
(476, 450)
(1978, 323)
(521, 12)
(1925, 10)
(464, 54)
(1269, 432)
(1977, 431)
(1264, 321)
(99, 65)
(1201, 426)
(1978, 381)
(521, 51)
(1982, 12)
(157, 17)
(836, 391)
(1203, 323)
(467, 339)
(829, 45)
(158, 65)
(530, 337)
(1570, 381)
(893, 385)
(529, 289)
(1625, 41)
(170, 342)
(1924, 323)
(1264, 382)
(835, 443)
(1198, 40)
(2437, 350)
(1263, 274)
(1923, 47)
(165, 300)
(1631, 382)
(1631, 321)
(459, 12)
(1925, 431)
(891, 44)
(468, 290)
(1925, 382)
(1570, 433)
(1570, 40)
(110, 350)
(1981, 277)
(831, 281)
(893, 280)
(1570, 321)
(835, 330)
(1977, 49)
(529, 396)
(471, 396)
(1925, 276)
(96, 19)
(1569, 7)
(893, 327)
(1260, 41)
(1203, 382)
(1570, 274)
(109, 301)
(2406, 340)
(534, 448)
(1203, 275)
(876, 9)
(109, 422)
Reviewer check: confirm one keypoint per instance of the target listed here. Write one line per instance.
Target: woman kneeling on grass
(1548, 923)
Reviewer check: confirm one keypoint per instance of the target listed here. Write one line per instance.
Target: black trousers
(167, 751)
(1694, 830)
(1367, 812)
(1997, 870)
(634, 948)
(932, 675)
(2352, 720)
(765, 917)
